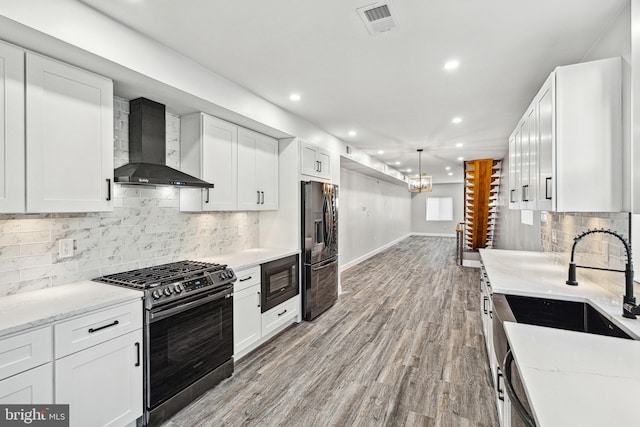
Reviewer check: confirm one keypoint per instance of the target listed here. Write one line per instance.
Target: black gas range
(188, 331)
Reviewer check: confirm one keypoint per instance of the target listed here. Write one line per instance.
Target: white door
(246, 319)
(267, 172)
(34, 386)
(69, 138)
(249, 196)
(544, 108)
(102, 384)
(324, 161)
(12, 181)
(532, 190)
(512, 172)
(219, 164)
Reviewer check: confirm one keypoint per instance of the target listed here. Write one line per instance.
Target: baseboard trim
(372, 253)
(434, 234)
(471, 263)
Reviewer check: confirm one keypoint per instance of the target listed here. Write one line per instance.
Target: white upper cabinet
(12, 185)
(568, 145)
(315, 161)
(69, 132)
(209, 151)
(257, 171)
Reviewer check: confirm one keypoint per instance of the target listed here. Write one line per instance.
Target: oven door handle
(163, 314)
(515, 401)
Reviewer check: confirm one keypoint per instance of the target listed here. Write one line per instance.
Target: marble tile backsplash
(598, 250)
(145, 228)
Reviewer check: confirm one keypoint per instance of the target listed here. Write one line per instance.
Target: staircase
(481, 186)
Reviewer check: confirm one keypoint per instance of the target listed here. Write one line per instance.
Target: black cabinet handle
(259, 299)
(515, 401)
(207, 199)
(484, 304)
(525, 193)
(92, 330)
(511, 196)
(138, 354)
(262, 197)
(245, 279)
(258, 194)
(280, 314)
(498, 388)
(320, 166)
(108, 189)
(547, 180)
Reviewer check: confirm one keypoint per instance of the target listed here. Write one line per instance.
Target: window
(439, 208)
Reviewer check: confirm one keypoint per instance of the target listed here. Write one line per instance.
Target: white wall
(419, 224)
(372, 214)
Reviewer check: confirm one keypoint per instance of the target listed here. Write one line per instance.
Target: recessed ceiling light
(397, 163)
(352, 133)
(380, 151)
(450, 173)
(448, 168)
(459, 144)
(460, 159)
(294, 97)
(456, 120)
(408, 170)
(451, 64)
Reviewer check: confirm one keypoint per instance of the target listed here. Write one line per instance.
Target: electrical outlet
(65, 249)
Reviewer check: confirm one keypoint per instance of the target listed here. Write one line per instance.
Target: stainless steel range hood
(147, 150)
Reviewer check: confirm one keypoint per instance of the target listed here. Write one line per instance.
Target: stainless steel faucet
(629, 307)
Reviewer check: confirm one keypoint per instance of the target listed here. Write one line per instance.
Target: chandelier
(420, 183)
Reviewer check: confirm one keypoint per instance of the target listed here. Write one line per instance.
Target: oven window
(187, 345)
(280, 280)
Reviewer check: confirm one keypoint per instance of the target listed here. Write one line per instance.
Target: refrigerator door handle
(324, 264)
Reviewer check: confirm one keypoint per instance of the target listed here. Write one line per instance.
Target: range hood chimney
(147, 150)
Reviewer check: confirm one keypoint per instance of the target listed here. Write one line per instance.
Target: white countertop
(534, 274)
(575, 378)
(570, 378)
(37, 308)
(250, 257)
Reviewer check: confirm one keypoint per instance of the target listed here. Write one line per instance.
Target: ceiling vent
(378, 17)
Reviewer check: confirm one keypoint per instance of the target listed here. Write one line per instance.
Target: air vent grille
(378, 13)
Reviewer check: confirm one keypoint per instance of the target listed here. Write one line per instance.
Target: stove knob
(177, 288)
(223, 275)
(156, 294)
(167, 291)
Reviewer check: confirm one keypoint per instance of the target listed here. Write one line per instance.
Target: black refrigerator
(319, 247)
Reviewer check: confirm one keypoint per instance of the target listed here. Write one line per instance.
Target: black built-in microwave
(279, 281)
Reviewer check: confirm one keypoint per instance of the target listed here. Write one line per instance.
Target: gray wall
(372, 214)
(419, 224)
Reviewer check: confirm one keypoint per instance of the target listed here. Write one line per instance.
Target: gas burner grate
(160, 274)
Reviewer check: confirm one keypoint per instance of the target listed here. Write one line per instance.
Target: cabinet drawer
(97, 327)
(33, 387)
(280, 315)
(25, 351)
(247, 278)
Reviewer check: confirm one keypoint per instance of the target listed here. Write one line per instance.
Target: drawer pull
(245, 279)
(138, 354)
(92, 330)
(280, 314)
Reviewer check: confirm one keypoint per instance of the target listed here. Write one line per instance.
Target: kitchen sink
(569, 315)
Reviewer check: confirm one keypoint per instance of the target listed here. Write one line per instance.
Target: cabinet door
(512, 172)
(34, 386)
(517, 165)
(219, 164)
(267, 172)
(324, 162)
(309, 160)
(544, 108)
(69, 138)
(246, 320)
(524, 163)
(249, 196)
(102, 384)
(12, 182)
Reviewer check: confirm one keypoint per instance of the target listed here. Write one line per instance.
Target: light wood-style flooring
(402, 347)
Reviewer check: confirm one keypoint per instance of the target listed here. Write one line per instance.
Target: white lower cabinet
(34, 386)
(102, 384)
(247, 319)
(252, 327)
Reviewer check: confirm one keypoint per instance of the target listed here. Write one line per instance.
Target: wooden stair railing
(482, 181)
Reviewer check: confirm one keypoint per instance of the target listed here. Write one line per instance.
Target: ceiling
(392, 88)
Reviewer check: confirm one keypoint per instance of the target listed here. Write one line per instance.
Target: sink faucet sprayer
(629, 307)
